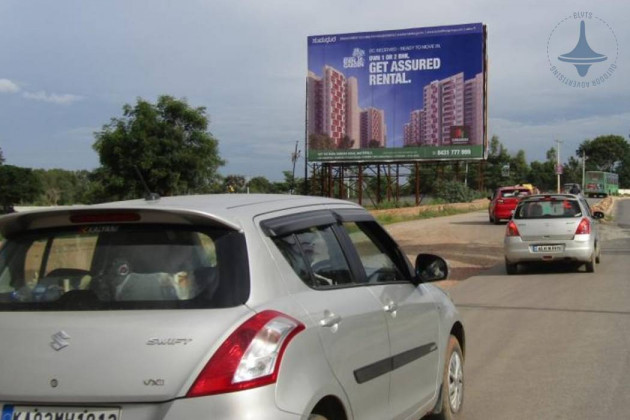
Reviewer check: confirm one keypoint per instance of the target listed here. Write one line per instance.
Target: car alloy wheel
(455, 382)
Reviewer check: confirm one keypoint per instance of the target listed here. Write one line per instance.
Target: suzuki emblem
(60, 340)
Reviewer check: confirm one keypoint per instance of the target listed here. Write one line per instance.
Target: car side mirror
(430, 268)
(598, 215)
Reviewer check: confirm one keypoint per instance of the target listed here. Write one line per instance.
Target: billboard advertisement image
(401, 95)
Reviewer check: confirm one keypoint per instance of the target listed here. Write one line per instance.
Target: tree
(624, 172)
(260, 184)
(572, 171)
(519, 169)
(543, 175)
(166, 143)
(498, 158)
(61, 187)
(234, 184)
(17, 186)
(604, 153)
(320, 142)
(346, 142)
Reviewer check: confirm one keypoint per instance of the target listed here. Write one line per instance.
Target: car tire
(511, 268)
(452, 394)
(598, 258)
(496, 220)
(490, 218)
(590, 266)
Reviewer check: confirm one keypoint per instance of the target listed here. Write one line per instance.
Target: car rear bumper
(257, 403)
(502, 213)
(516, 250)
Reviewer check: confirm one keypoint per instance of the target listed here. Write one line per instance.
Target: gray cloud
(54, 98)
(7, 86)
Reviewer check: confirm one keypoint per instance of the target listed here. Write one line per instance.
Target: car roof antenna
(150, 196)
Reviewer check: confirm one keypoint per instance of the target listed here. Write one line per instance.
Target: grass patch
(389, 218)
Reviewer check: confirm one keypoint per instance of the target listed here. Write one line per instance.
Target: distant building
(353, 112)
(373, 127)
(314, 106)
(432, 122)
(414, 132)
(449, 105)
(334, 103)
(452, 106)
(333, 106)
(473, 108)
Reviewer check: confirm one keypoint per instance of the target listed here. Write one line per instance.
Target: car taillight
(584, 227)
(250, 357)
(511, 229)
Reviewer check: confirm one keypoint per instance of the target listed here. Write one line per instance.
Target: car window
(316, 257)
(379, 261)
(548, 209)
(108, 267)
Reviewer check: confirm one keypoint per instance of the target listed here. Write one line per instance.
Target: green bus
(601, 184)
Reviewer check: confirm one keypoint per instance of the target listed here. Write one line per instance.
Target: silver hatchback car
(221, 307)
(552, 228)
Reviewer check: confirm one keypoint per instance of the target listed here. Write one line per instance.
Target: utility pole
(558, 166)
(294, 157)
(583, 169)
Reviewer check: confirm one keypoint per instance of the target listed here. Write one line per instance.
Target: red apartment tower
(333, 106)
(373, 128)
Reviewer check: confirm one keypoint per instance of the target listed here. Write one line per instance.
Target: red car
(504, 201)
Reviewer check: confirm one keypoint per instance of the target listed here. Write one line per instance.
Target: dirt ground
(468, 241)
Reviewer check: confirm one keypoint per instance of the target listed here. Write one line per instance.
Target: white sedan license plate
(18, 412)
(547, 248)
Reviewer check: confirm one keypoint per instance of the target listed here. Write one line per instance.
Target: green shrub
(454, 192)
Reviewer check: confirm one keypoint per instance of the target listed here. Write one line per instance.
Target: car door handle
(330, 320)
(391, 307)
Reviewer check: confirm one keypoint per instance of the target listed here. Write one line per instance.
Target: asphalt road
(550, 343)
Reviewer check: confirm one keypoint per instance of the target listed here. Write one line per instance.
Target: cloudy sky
(68, 66)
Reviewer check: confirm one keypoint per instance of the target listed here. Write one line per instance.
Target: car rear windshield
(548, 209)
(123, 266)
(514, 193)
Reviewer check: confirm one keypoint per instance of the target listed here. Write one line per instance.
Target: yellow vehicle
(530, 187)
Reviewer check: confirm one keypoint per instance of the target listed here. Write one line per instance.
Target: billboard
(401, 95)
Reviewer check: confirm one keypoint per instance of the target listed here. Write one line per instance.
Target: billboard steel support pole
(378, 184)
(417, 182)
(360, 184)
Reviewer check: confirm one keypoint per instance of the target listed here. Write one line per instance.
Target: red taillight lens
(511, 229)
(250, 357)
(584, 227)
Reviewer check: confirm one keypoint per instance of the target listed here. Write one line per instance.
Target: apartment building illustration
(373, 128)
(448, 104)
(333, 109)
(451, 113)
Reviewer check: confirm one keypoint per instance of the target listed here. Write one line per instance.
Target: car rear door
(411, 315)
(350, 321)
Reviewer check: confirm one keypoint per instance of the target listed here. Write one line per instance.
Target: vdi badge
(582, 50)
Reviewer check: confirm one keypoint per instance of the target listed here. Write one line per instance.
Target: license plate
(547, 248)
(18, 412)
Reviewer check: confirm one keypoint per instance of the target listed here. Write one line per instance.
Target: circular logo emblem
(582, 51)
